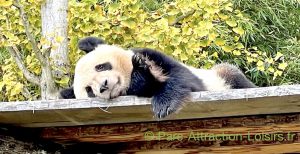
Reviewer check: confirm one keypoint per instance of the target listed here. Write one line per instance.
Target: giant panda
(109, 71)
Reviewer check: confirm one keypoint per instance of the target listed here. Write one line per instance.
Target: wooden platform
(259, 120)
(236, 102)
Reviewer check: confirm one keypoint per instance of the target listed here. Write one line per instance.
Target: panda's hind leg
(233, 76)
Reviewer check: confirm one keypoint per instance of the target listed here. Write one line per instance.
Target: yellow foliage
(260, 63)
(220, 42)
(196, 39)
(5, 3)
(277, 73)
(231, 23)
(278, 55)
(271, 69)
(282, 66)
(236, 52)
(238, 30)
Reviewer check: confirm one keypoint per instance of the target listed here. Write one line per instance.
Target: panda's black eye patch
(103, 67)
(89, 91)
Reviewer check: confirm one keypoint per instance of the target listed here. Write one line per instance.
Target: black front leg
(143, 83)
(139, 62)
(169, 98)
(67, 93)
(174, 83)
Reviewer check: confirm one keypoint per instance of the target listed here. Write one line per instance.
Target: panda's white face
(107, 70)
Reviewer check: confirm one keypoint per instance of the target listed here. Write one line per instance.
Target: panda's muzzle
(106, 86)
(103, 87)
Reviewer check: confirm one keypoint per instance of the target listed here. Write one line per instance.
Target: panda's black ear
(88, 44)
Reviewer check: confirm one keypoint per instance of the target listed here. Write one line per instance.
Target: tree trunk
(54, 30)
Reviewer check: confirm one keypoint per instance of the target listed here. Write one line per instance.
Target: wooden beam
(181, 147)
(259, 134)
(239, 128)
(251, 149)
(125, 109)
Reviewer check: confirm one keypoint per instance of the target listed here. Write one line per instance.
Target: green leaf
(228, 7)
(1, 85)
(212, 36)
(223, 16)
(128, 23)
(16, 89)
(176, 52)
(240, 46)
(113, 7)
(259, 63)
(227, 48)
(183, 57)
(174, 12)
(219, 41)
(204, 43)
(211, 10)
(187, 30)
(2, 17)
(5, 3)
(239, 30)
(282, 66)
(134, 8)
(277, 73)
(236, 38)
(215, 54)
(261, 68)
(65, 80)
(271, 69)
(278, 55)
(175, 41)
(203, 33)
(236, 52)
(231, 23)
(171, 19)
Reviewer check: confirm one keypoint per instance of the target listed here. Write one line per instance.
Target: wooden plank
(235, 102)
(252, 134)
(250, 149)
(283, 128)
(179, 148)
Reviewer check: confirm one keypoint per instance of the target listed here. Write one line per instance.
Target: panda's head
(105, 70)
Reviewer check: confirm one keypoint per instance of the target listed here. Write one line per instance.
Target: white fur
(86, 75)
(211, 80)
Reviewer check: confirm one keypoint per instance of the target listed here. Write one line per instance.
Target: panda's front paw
(162, 109)
(139, 62)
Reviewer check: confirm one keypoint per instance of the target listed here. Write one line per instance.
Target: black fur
(67, 93)
(233, 76)
(88, 44)
(239, 81)
(167, 96)
(103, 67)
(142, 82)
(89, 91)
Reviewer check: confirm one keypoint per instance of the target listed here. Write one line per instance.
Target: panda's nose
(103, 86)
